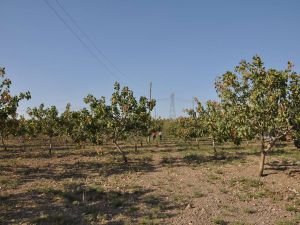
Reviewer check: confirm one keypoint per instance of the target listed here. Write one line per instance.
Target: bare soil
(163, 183)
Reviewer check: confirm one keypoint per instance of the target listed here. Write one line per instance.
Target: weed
(212, 177)
(148, 221)
(218, 171)
(294, 221)
(224, 190)
(246, 183)
(220, 221)
(9, 183)
(292, 208)
(59, 219)
(250, 211)
(237, 223)
(198, 194)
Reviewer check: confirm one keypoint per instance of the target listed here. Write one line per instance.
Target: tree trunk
(50, 146)
(262, 163)
(83, 196)
(3, 144)
(24, 144)
(135, 147)
(262, 157)
(66, 143)
(120, 150)
(214, 146)
(264, 153)
(141, 143)
(198, 143)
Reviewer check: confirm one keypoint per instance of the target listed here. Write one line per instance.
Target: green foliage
(122, 118)
(24, 129)
(211, 121)
(75, 124)
(117, 120)
(8, 106)
(45, 120)
(261, 101)
(190, 127)
(183, 127)
(156, 125)
(217, 123)
(296, 134)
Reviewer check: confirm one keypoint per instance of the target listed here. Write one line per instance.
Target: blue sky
(181, 46)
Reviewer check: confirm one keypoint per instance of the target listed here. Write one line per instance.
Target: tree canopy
(262, 102)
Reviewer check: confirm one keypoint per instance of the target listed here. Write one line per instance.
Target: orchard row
(254, 102)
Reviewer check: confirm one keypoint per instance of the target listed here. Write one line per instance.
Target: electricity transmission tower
(172, 107)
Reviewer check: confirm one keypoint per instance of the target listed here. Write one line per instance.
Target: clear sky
(181, 46)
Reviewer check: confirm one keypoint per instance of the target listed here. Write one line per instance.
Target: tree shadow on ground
(198, 159)
(84, 204)
(33, 152)
(289, 167)
(74, 170)
(105, 168)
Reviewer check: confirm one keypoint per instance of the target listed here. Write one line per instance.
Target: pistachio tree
(76, 124)
(45, 121)
(212, 121)
(141, 121)
(23, 130)
(66, 122)
(190, 127)
(262, 102)
(119, 119)
(8, 107)
(182, 128)
(216, 123)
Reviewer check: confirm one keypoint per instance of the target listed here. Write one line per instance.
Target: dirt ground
(163, 183)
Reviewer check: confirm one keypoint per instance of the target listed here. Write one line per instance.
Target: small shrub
(292, 208)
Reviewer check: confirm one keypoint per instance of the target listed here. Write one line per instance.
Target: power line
(88, 38)
(80, 40)
(163, 99)
(183, 100)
